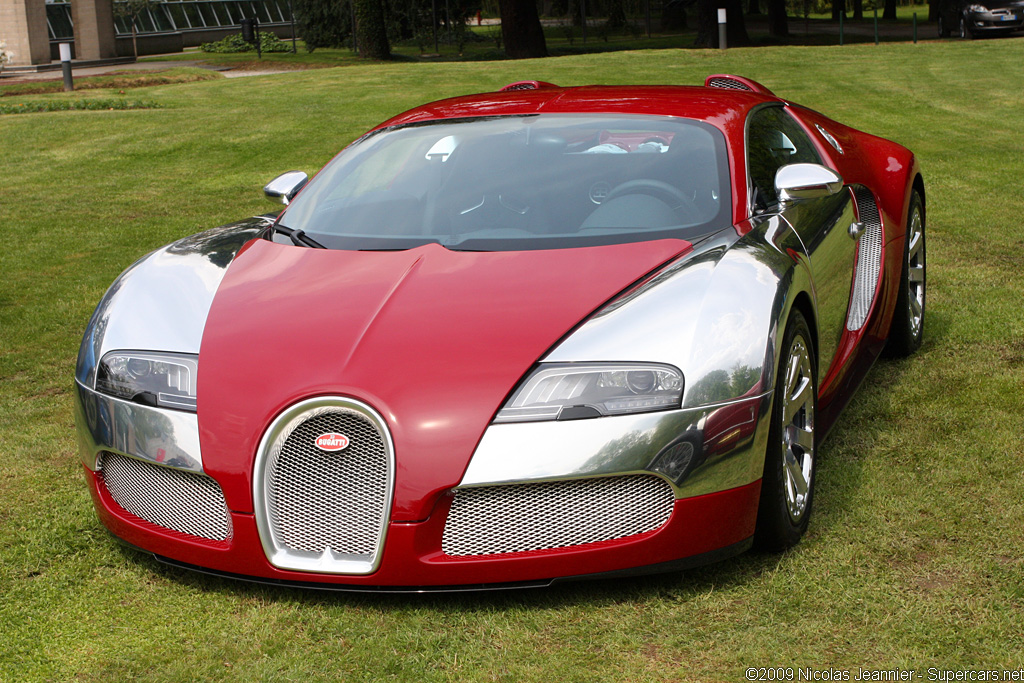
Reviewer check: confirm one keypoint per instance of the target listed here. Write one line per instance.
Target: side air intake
(869, 260)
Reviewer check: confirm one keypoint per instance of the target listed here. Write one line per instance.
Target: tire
(965, 31)
(907, 330)
(787, 486)
(943, 29)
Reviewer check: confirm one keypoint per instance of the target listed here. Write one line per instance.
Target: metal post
(291, 14)
(256, 25)
(841, 15)
(876, 26)
(65, 66)
(647, 17)
(915, 28)
(448, 21)
(721, 29)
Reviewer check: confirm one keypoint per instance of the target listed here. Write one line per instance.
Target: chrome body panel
(169, 438)
(713, 314)
(823, 227)
(160, 302)
(726, 448)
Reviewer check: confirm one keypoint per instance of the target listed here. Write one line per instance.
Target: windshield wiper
(298, 237)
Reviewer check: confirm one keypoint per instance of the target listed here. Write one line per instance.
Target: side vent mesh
(527, 85)
(733, 82)
(727, 84)
(869, 260)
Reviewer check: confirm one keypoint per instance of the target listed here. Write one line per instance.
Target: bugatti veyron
(507, 339)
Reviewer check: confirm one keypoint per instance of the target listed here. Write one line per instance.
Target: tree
(371, 30)
(707, 23)
(838, 9)
(890, 10)
(521, 30)
(778, 21)
(323, 23)
(130, 11)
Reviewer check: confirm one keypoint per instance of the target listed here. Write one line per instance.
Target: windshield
(520, 183)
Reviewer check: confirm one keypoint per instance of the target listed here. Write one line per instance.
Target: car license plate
(1008, 17)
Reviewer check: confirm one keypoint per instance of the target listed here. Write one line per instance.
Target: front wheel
(965, 31)
(907, 328)
(787, 487)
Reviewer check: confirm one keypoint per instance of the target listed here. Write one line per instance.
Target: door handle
(855, 230)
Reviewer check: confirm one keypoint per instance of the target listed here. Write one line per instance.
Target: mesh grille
(183, 501)
(728, 84)
(869, 260)
(521, 517)
(319, 500)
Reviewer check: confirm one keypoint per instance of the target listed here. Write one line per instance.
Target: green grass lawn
(914, 555)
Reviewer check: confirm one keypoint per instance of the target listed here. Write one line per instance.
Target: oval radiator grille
(330, 500)
(547, 515)
(181, 501)
(322, 487)
(869, 260)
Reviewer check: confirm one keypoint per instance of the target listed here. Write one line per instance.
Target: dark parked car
(970, 19)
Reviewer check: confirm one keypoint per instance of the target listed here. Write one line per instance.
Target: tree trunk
(838, 8)
(521, 30)
(707, 23)
(371, 32)
(890, 10)
(858, 9)
(754, 7)
(933, 10)
(135, 44)
(778, 22)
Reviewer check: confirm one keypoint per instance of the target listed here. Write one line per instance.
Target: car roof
(722, 107)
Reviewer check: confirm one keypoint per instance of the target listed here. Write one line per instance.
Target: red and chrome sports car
(509, 338)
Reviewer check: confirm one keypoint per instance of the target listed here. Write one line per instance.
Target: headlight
(977, 8)
(165, 380)
(574, 391)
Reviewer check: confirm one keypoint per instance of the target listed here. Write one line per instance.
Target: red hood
(433, 339)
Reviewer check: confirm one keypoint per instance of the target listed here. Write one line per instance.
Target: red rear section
(433, 339)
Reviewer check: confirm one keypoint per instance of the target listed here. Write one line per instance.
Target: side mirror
(284, 187)
(806, 181)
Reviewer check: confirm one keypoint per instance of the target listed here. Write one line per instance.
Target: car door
(774, 140)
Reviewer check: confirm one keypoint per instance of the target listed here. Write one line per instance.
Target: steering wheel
(669, 194)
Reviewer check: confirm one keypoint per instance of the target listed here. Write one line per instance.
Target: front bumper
(996, 21)
(412, 555)
(713, 514)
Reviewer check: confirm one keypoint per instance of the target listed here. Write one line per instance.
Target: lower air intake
(869, 260)
(520, 517)
(185, 502)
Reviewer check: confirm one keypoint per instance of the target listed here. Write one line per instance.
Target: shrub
(234, 43)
